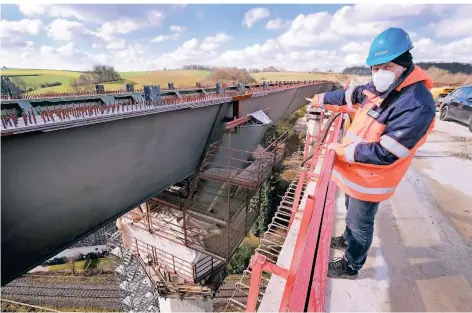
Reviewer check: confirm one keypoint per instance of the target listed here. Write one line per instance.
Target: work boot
(338, 243)
(340, 268)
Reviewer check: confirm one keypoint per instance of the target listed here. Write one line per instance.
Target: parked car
(439, 93)
(458, 106)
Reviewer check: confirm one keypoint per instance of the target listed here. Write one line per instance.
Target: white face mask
(383, 79)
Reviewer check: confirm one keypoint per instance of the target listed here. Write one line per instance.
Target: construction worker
(395, 113)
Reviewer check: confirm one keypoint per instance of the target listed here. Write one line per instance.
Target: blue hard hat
(391, 43)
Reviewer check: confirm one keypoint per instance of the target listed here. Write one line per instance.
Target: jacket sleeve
(338, 97)
(405, 128)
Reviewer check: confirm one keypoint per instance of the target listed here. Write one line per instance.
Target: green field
(103, 264)
(180, 78)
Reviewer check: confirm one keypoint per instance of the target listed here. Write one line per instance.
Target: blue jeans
(359, 230)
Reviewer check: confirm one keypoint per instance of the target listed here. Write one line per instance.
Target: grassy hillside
(180, 78)
(45, 76)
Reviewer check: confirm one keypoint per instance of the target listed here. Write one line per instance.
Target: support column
(177, 305)
(312, 127)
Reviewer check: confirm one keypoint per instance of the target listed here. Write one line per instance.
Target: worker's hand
(316, 101)
(334, 146)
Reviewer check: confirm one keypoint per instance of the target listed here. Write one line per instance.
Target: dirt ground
(421, 255)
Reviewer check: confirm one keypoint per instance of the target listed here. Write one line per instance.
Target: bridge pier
(185, 305)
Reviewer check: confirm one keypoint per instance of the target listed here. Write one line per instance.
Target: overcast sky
(295, 37)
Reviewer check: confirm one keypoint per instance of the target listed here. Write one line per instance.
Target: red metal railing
(306, 277)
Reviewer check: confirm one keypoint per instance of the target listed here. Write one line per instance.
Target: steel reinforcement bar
(43, 114)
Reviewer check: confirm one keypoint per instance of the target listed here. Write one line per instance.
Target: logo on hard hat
(381, 52)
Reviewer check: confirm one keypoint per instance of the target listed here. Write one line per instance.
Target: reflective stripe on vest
(394, 147)
(353, 137)
(359, 188)
(348, 95)
(349, 152)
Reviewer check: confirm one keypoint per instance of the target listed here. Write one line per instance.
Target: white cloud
(319, 40)
(308, 30)
(123, 26)
(116, 44)
(96, 13)
(461, 48)
(21, 27)
(190, 44)
(155, 18)
(214, 42)
(354, 59)
(162, 38)
(30, 9)
(65, 57)
(99, 58)
(66, 50)
(453, 27)
(276, 24)
(177, 28)
(61, 29)
(355, 46)
(254, 15)
(369, 12)
(345, 23)
(193, 51)
(54, 10)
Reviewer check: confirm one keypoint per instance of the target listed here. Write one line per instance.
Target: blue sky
(154, 36)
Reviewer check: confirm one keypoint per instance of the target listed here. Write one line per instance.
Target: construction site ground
(421, 254)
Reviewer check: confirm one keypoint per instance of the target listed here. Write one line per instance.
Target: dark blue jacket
(407, 114)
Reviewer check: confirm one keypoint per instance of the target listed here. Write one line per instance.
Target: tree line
(96, 75)
(451, 67)
(197, 67)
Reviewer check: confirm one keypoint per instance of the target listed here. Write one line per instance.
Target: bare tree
(71, 265)
(232, 73)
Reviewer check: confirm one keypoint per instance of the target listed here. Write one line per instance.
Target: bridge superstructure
(73, 163)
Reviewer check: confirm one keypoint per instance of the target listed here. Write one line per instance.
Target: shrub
(442, 77)
(242, 256)
(231, 74)
(44, 85)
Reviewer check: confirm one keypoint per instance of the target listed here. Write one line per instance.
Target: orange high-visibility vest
(371, 182)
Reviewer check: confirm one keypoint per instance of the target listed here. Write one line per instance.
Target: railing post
(173, 264)
(256, 262)
(185, 217)
(275, 154)
(247, 210)
(154, 255)
(137, 247)
(228, 197)
(148, 217)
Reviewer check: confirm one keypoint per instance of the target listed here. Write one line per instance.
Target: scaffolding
(221, 203)
(270, 244)
(184, 237)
